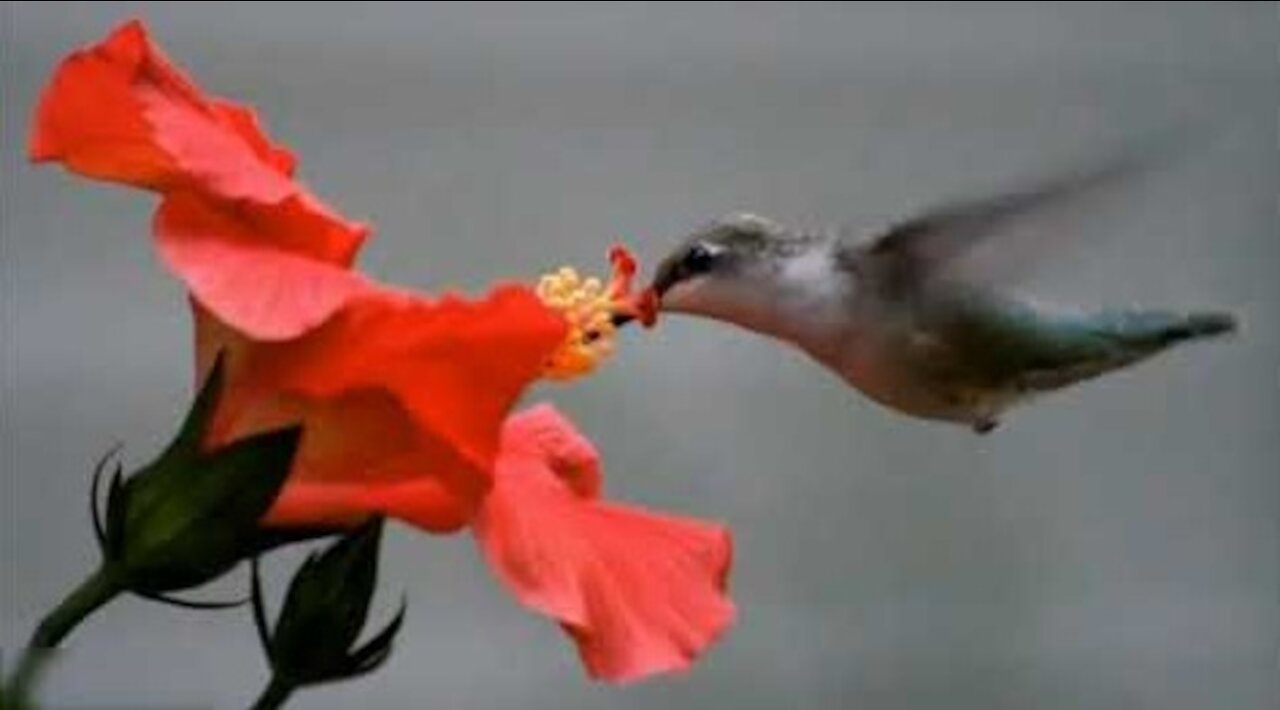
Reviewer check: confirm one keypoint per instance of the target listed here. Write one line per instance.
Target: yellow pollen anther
(589, 307)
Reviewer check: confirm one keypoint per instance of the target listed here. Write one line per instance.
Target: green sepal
(192, 515)
(324, 611)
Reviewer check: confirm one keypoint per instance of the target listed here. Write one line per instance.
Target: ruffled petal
(88, 118)
(229, 258)
(121, 111)
(403, 400)
(640, 593)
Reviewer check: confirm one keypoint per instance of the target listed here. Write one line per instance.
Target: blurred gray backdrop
(1117, 546)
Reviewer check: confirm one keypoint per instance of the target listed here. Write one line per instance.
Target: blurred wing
(940, 239)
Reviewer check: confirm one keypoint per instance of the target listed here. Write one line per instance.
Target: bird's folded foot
(985, 426)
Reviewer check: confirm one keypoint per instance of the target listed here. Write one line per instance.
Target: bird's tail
(1199, 325)
(1150, 331)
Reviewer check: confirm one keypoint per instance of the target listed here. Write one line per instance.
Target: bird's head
(722, 267)
(759, 275)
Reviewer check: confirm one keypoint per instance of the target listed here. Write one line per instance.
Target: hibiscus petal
(640, 593)
(121, 111)
(87, 118)
(230, 258)
(403, 399)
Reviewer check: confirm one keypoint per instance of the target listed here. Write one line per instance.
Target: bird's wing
(934, 241)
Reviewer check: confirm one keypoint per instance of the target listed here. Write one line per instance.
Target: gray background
(1117, 546)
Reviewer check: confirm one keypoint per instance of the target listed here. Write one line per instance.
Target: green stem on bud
(274, 695)
(93, 593)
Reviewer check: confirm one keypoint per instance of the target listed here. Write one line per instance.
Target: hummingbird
(892, 316)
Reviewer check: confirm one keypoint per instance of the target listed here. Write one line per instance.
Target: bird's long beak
(643, 308)
(667, 275)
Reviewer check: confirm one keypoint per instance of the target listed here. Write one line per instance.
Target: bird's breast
(894, 362)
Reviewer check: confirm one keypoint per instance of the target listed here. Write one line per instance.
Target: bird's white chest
(812, 294)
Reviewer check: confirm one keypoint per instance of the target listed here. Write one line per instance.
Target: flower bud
(324, 611)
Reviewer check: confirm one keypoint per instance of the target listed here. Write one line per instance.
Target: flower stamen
(591, 308)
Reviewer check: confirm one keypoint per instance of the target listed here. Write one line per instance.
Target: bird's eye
(698, 259)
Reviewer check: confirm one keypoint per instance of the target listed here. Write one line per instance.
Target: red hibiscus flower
(403, 397)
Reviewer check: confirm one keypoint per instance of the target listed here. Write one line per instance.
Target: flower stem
(274, 695)
(92, 594)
